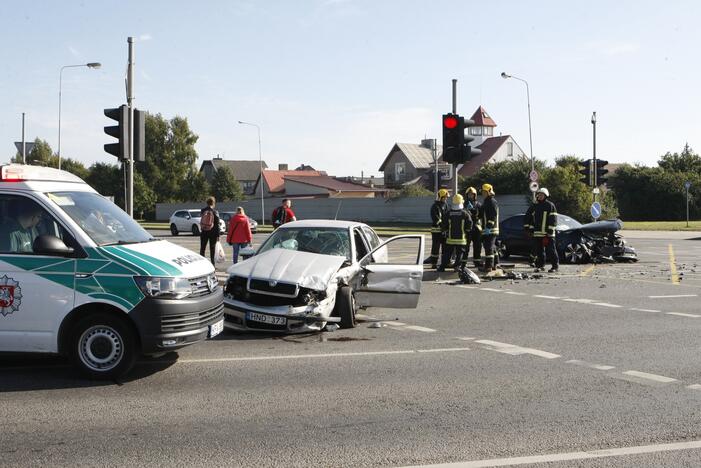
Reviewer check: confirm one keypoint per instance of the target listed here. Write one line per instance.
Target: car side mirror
(47, 244)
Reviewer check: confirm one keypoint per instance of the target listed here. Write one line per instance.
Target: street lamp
(260, 160)
(94, 65)
(528, 98)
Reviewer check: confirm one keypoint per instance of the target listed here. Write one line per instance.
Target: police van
(81, 278)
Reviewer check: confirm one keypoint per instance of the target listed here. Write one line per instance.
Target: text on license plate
(215, 329)
(271, 319)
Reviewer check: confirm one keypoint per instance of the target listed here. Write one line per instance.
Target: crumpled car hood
(308, 270)
(603, 227)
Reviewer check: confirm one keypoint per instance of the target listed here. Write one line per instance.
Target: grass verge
(661, 226)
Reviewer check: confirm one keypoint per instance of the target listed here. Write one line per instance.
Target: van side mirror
(47, 244)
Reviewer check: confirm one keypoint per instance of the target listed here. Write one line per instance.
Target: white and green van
(79, 277)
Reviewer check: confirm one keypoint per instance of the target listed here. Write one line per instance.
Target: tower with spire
(484, 126)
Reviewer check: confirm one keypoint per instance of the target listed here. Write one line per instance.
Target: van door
(36, 291)
(391, 274)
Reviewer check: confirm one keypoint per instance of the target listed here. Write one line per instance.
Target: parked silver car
(189, 221)
(309, 273)
(227, 215)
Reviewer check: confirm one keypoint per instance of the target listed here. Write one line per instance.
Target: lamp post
(528, 99)
(94, 65)
(260, 160)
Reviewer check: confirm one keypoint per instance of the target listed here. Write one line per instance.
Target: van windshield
(102, 220)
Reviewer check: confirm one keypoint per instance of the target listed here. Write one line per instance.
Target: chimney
(282, 167)
(427, 143)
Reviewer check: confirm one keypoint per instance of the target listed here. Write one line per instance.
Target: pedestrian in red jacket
(239, 234)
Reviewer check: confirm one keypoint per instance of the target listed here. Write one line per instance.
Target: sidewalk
(672, 235)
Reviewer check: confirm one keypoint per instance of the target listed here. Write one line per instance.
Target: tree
(195, 187)
(144, 199)
(108, 179)
(170, 156)
(225, 187)
(686, 161)
(75, 167)
(507, 177)
(413, 190)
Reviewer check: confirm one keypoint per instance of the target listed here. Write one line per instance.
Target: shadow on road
(26, 373)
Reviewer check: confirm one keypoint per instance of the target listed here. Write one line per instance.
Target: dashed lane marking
(492, 289)
(562, 457)
(694, 387)
(680, 314)
(652, 311)
(653, 377)
(590, 365)
(548, 297)
(673, 296)
(606, 304)
(581, 301)
(419, 328)
(515, 293)
(514, 350)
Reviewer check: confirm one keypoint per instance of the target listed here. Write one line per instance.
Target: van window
(102, 220)
(21, 221)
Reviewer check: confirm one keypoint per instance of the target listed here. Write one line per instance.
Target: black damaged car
(596, 242)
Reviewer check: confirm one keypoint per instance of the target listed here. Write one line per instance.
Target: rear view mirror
(47, 244)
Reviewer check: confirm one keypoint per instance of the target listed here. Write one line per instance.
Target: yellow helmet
(471, 190)
(457, 199)
(488, 188)
(442, 193)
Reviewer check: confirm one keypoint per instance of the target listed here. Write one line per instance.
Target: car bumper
(169, 324)
(297, 319)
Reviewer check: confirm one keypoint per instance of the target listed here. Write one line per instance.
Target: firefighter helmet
(442, 193)
(457, 199)
(544, 191)
(488, 188)
(471, 190)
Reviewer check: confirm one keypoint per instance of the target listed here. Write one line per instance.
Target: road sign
(596, 210)
(533, 186)
(533, 175)
(687, 185)
(596, 190)
(28, 146)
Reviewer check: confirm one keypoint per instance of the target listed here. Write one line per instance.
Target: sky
(335, 83)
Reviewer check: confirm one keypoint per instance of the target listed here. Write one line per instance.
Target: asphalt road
(557, 367)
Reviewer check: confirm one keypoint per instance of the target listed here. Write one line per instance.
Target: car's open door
(391, 274)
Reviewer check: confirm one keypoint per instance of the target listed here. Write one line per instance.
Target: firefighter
(489, 218)
(439, 209)
(475, 238)
(539, 223)
(458, 224)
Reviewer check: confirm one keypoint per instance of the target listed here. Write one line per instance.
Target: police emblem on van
(10, 296)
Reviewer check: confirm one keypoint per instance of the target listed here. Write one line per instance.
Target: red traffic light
(450, 122)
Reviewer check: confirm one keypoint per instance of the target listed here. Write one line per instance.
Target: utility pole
(435, 167)
(24, 146)
(130, 144)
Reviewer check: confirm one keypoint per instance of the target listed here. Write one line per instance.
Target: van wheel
(103, 346)
(345, 307)
(195, 230)
(174, 229)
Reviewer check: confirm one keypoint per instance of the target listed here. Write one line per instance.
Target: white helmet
(544, 191)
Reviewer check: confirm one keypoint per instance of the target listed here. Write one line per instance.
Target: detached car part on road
(79, 277)
(596, 242)
(313, 272)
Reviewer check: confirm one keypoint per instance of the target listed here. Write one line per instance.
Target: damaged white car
(313, 272)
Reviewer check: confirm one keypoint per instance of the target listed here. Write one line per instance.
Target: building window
(475, 131)
(488, 131)
(399, 171)
(509, 149)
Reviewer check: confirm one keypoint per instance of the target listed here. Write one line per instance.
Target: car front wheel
(103, 346)
(576, 253)
(195, 230)
(345, 307)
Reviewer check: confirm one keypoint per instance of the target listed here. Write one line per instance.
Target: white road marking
(673, 296)
(464, 286)
(492, 289)
(680, 314)
(394, 323)
(514, 350)
(547, 297)
(694, 386)
(466, 338)
(560, 457)
(317, 356)
(590, 365)
(581, 301)
(645, 375)
(515, 293)
(605, 304)
(421, 329)
(653, 311)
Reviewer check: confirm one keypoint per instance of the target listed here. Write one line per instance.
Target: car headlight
(164, 288)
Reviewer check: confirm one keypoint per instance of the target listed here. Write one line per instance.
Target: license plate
(215, 329)
(271, 319)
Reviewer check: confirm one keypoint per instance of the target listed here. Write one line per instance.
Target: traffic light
(139, 133)
(119, 131)
(468, 151)
(586, 172)
(601, 171)
(453, 138)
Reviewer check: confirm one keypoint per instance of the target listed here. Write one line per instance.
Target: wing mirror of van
(47, 244)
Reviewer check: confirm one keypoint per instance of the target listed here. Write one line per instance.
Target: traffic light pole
(455, 111)
(130, 146)
(594, 166)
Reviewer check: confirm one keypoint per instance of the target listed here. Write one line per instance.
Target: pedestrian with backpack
(283, 213)
(209, 228)
(239, 234)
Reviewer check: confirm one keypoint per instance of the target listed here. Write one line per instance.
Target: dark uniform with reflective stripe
(439, 209)
(489, 217)
(475, 237)
(458, 225)
(540, 220)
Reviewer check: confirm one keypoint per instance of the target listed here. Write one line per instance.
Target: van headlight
(164, 288)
